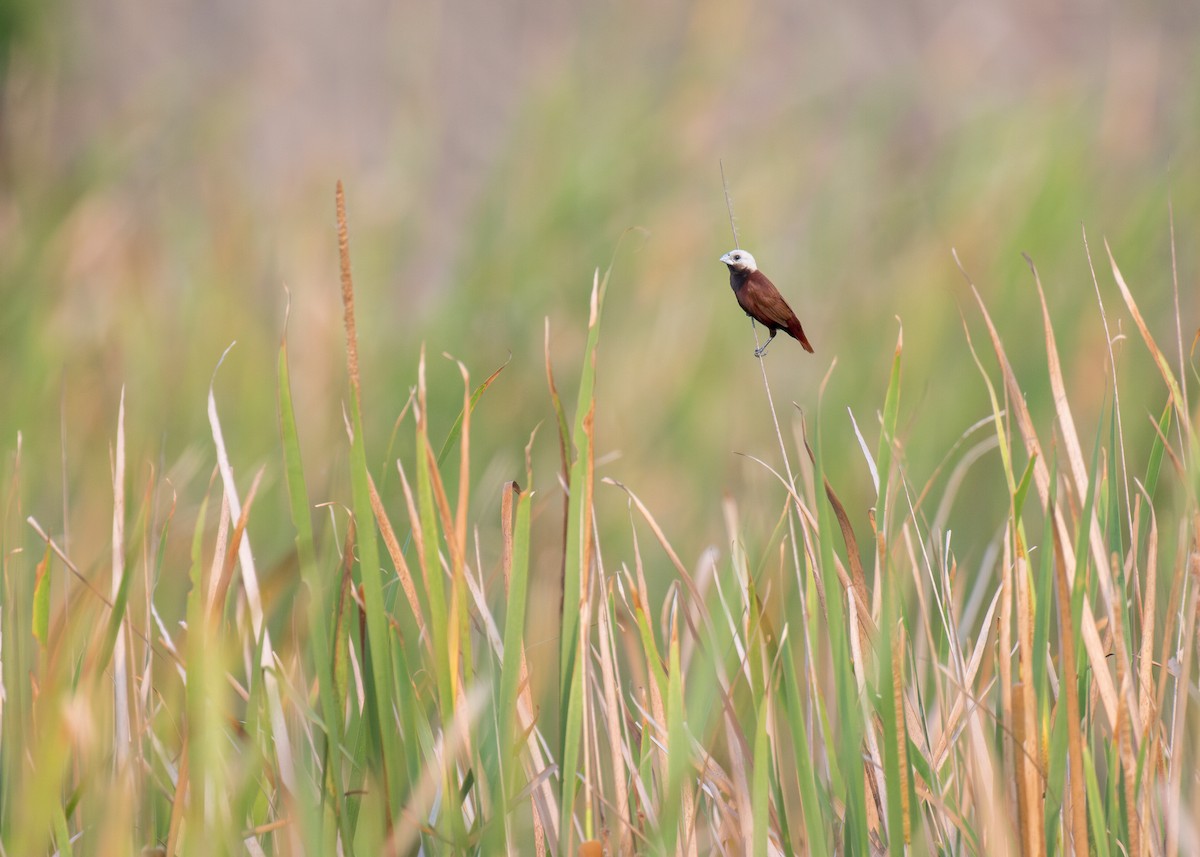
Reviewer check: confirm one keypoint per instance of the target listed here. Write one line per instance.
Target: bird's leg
(762, 349)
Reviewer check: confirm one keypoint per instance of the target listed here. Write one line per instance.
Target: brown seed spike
(347, 290)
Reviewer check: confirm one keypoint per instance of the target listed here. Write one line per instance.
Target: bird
(760, 299)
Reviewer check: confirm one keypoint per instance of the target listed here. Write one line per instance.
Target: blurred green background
(167, 169)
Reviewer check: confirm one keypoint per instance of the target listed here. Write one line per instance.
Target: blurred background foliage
(167, 169)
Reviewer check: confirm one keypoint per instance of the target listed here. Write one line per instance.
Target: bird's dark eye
(737, 257)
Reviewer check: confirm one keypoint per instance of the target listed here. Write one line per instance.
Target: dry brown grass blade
(857, 577)
(1146, 708)
(1174, 610)
(218, 561)
(231, 555)
(916, 720)
(873, 764)
(684, 574)
(418, 535)
(1175, 293)
(1069, 680)
(1008, 685)
(1116, 385)
(1124, 732)
(122, 690)
(542, 798)
(464, 472)
(267, 663)
(1027, 798)
(898, 651)
(658, 709)
(1177, 767)
(398, 561)
(179, 799)
(68, 562)
(1026, 713)
(1180, 471)
(964, 704)
(1160, 359)
(1183, 415)
(442, 504)
(614, 718)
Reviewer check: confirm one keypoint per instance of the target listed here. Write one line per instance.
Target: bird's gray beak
(725, 258)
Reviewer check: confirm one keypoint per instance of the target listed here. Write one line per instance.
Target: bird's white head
(740, 260)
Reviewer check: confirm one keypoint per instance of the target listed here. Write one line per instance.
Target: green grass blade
(378, 685)
(579, 531)
(887, 434)
(322, 593)
(814, 814)
(577, 551)
(514, 619)
(41, 600)
(760, 789)
(456, 429)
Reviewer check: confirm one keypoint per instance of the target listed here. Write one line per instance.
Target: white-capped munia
(760, 299)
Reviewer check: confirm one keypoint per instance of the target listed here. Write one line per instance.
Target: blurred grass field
(165, 190)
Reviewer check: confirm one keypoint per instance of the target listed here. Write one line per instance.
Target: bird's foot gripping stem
(762, 349)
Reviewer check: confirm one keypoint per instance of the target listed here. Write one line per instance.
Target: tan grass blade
(279, 727)
(1026, 711)
(544, 811)
(1160, 359)
(179, 799)
(1009, 687)
(1116, 387)
(1124, 734)
(1176, 768)
(230, 553)
(1079, 471)
(684, 574)
(418, 537)
(123, 738)
(1027, 797)
(1068, 680)
(403, 572)
(964, 703)
(614, 718)
(898, 651)
(1146, 707)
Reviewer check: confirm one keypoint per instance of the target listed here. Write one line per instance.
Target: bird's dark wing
(762, 300)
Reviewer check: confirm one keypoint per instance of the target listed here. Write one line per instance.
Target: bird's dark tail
(797, 333)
